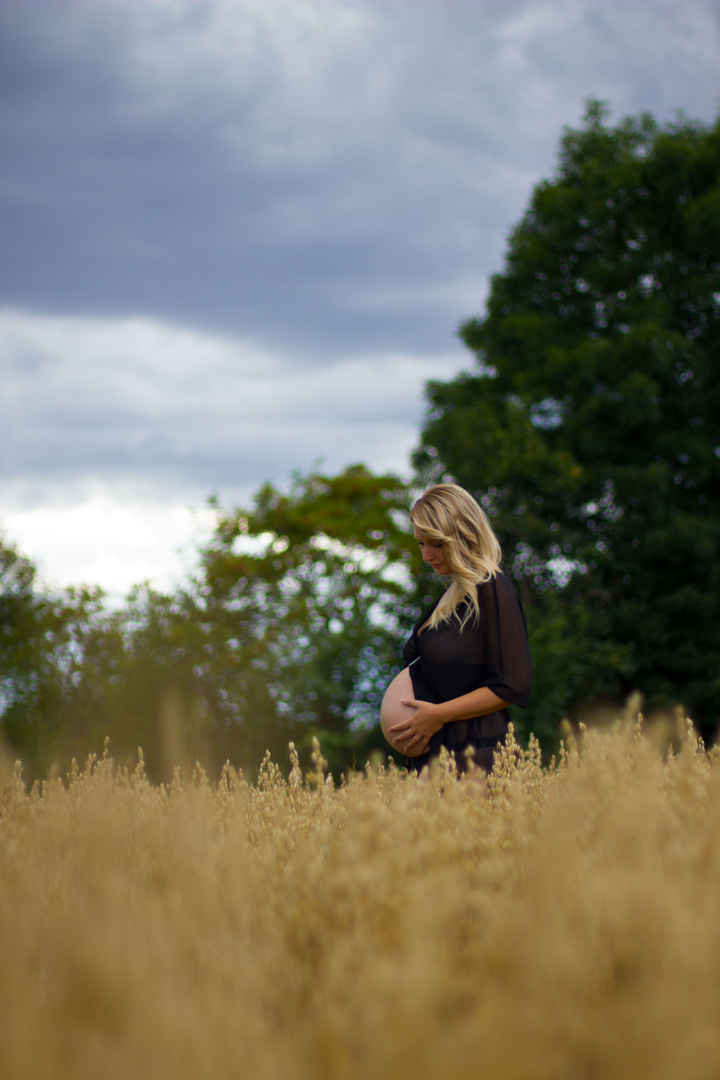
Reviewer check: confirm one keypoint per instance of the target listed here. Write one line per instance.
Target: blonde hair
(447, 514)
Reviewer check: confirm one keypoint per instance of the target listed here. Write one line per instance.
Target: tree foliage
(591, 426)
(290, 628)
(42, 636)
(313, 585)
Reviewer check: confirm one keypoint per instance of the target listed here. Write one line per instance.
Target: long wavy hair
(447, 514)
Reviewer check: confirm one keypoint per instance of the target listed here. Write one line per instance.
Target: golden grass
(558, 923)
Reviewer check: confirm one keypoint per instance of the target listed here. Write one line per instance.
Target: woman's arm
(415, 733)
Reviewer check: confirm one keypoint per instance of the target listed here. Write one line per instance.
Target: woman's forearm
(476, 703)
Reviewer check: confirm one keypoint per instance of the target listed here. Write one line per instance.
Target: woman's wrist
(442, 714)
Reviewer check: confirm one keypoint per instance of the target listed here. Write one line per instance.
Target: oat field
(557, 923)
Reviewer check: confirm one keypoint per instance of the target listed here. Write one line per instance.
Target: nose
(426, 555)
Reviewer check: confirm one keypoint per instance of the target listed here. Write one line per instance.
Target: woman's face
(433, 554)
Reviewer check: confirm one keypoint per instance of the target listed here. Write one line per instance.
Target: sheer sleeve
(508, 670)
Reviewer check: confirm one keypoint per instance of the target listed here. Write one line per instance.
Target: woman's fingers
(402, 736)
(406, 740)
(413, 747)
(409, 740)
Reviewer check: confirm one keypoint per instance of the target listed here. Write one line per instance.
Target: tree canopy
(314, 585)
(289, 628)
(590, 428)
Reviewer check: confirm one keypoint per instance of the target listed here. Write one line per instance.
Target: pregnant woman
(468, 657)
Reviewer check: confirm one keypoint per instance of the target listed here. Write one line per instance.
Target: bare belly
(392, 711)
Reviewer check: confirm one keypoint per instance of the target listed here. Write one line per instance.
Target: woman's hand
(412, 736)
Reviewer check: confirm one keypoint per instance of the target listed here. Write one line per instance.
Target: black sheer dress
(446, 663)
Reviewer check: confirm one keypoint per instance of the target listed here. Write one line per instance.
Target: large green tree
(590, 427)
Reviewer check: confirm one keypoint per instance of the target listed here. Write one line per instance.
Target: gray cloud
(271, 169)
(88, 400)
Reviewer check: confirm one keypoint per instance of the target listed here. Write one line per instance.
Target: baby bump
(392, 711)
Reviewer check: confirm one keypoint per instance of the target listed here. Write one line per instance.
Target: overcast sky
(238, 237)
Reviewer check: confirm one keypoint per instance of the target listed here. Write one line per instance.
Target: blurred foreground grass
(550, 923)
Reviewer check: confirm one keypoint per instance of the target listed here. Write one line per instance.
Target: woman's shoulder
(498, 590)
(498, 580)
